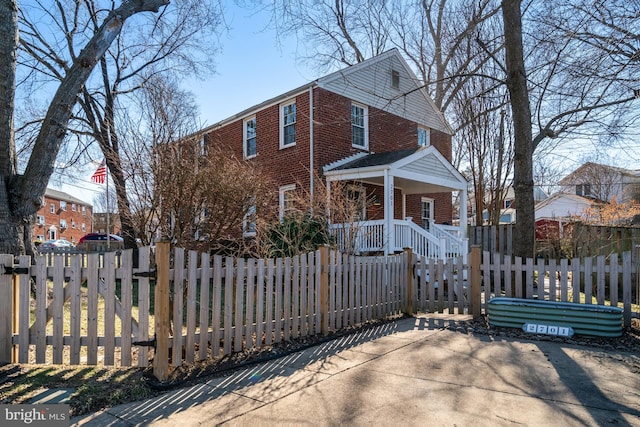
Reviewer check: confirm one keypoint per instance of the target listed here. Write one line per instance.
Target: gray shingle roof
(378, 159)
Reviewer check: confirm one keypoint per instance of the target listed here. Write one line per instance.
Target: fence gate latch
(150, 274)
(15, 270)
(149, 343)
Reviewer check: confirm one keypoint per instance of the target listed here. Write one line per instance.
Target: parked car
(55, 245)
(99, 242)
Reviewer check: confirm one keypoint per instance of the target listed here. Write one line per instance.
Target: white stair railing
(370, 236)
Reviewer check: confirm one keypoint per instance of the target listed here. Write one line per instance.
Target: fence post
(476, 301)
(324, 289)
(409, 303)
(161, 312)
(6, 309)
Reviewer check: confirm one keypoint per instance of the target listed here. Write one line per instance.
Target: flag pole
(108, 207)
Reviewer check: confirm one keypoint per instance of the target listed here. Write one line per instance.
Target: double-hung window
(357, 203)
(287, 199)
(426, 212)
(423, 137)
(287, 124)
(359, 126)
(249, 137)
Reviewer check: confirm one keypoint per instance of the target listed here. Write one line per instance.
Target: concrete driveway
(410, 372)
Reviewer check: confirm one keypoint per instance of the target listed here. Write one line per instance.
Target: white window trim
(366, 126)
(244, 137)
(362, 198)
(282, 191)
(52, 208)
(431, 208)
(282, 106)
(428, 134)
(40, 220)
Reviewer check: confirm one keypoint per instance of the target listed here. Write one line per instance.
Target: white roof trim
(344, 161)
(395, 168)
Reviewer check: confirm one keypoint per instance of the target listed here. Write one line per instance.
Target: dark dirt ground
(98, 387)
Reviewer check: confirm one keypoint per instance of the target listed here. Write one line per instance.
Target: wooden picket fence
(189, 306)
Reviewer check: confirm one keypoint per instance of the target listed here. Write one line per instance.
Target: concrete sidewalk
(410, 372)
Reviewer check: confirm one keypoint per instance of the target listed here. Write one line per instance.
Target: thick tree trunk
(524, 238)
(20, 196)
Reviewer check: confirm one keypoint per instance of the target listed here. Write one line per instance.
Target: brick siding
(332, 142)
(73, 232)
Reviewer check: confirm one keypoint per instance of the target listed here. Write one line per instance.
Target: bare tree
(207, 200)
(170, 114)
(21, 194)
(488, 146)
(582, 77)
(177, 42)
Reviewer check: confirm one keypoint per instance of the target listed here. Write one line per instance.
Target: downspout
(311, 168)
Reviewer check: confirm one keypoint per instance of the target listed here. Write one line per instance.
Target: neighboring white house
(603, 182)
(562, 206)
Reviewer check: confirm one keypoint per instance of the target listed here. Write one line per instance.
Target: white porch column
(388, 213)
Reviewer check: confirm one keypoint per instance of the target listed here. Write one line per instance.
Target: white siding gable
(370, 83)
(562, 205)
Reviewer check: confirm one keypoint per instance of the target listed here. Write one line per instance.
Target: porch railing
(370, 236)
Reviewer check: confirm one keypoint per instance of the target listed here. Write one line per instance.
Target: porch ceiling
(415, 171)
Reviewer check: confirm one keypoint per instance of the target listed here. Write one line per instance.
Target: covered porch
(422, 170)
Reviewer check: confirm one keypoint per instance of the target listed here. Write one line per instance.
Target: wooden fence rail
(99, 309)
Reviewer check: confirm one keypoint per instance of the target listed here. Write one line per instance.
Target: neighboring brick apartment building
(62, 216)
(372, 123)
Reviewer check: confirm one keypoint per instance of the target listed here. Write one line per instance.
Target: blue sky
(252, 67)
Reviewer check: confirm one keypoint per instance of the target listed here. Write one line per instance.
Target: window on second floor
(359, 126)
(73, 207)
(40, 220)
(63, 223)
(288, 124)
(423, 137)
(249, 137)
(52, 208)
(84, 227)
(63, 205)
(84, 210)
(583, 190)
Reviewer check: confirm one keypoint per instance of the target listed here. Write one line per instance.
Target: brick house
(62, 216)
(372, 124)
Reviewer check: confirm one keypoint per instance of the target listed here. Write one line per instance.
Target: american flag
(100, 175)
